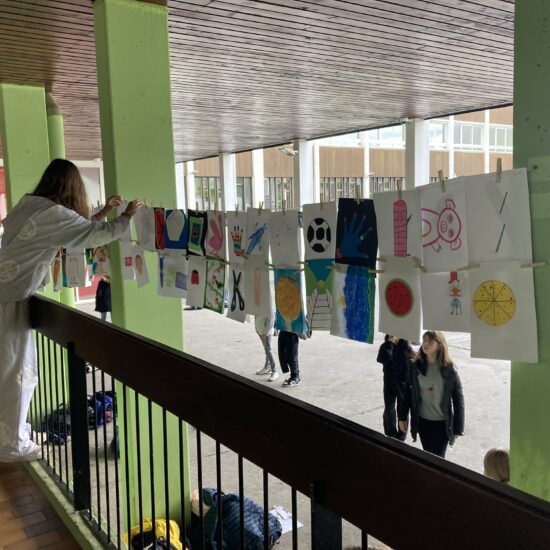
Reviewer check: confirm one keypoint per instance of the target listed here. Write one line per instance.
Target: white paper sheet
(498, 217)
(399, 223)
(144, 221)
(140, 266)
(75, 270)
(257, 287)
(172, 274)
(216, 235)
(196, 281)
(257, 232)
(444, 235)
(400, 299)
(446, 301)
(503, 315)
(215, 285)
(236, 309)
(320, 231)
(126, 261)
(236, 237)
(285, 238)
(101, 265)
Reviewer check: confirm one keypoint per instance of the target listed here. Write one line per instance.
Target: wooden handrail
(399, 494)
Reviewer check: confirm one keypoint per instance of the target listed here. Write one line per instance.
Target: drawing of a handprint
(215, 242)
(353, 237)
(237, 239)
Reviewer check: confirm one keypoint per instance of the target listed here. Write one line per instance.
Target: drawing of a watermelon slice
(399, 297)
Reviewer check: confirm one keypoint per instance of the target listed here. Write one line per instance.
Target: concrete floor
(343, 377)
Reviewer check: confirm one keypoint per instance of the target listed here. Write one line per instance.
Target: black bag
(147, 542)
(57, 425)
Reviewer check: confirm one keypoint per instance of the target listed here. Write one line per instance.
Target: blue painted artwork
(290, 314)
(176, 230)
(255, 239)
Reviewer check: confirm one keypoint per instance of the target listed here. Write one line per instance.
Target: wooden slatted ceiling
(249, 73)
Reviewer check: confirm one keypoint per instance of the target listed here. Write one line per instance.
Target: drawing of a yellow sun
(494, 303)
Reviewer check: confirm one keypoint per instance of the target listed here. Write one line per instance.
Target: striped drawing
(400, 228)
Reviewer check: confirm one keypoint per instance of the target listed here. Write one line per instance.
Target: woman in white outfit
(55, 215)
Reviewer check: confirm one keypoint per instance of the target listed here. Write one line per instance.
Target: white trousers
(18, 378)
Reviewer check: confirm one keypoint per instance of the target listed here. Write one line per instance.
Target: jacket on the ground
(452, 402)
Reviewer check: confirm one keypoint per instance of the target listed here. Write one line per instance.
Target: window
(334, 188)
(244, 193)
(468, 136)
(501, 138)
(275, 191)
(207, 191)
(438, 135)
(392, 137)
(346, 140)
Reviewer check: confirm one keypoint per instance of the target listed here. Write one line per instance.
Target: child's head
(434, 341)
(497, 464)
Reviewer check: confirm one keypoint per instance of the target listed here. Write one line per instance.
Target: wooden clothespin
(417, 263)
(284, 206)
(533, 264)
(441, 180)
(357, 195)
(399, 194)
(381, 259)
(499, 169)
(261, 206)
(468, 267)
(237, 210)
(197, 206)
(376, 271)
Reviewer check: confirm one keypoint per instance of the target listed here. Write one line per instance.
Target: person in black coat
(103, 297)
(433, 397)
(396, 356)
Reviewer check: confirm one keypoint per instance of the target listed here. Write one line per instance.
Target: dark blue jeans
(288, 353)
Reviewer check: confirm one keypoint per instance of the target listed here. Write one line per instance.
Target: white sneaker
(265, 370)
(273, 377)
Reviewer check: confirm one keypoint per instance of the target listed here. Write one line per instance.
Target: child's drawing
(57, 271)
(215, 235)
(257, 287)
(215, 285)
(74, 270)
(442, 228)
(144, 222)
(320, 231)
(236, 308)
(319, 276)
(285, 238)
(236, 236)
(140, 266)
(175, 230)
(353, 293)
(196, 281)
(197, 232)
(160, 222)
(257, 232)
(172, 274)
(290, 314)
(127, 261)
(356, 233)
(100, 263)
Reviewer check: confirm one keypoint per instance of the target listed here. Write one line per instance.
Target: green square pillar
(529, 422)
(138, 158)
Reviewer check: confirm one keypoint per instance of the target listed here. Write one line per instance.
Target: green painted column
(56, 135)
(529, 422)
(138, 158)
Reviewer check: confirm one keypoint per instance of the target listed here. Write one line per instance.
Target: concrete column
(228, 181)
(530, 384)
(451, 145)
(190, 195)
(316, 171)
(133, 70)
(56, 135)
(180, 185)
(486, 158)
(304, 192)
(258, 188)
(366, 190)
(417, 154)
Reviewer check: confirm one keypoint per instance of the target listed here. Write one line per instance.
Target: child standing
(288, 357)
(103, 297)
(265, 330)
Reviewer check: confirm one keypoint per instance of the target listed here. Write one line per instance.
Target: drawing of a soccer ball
(319, 235)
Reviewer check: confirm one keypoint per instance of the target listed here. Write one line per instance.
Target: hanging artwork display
(215, 285)
(74, 269)
(196, 283)
(100, 261)
(356, 233)
(197, 232)
(144, 222)
(319, 276)
(257, 232)
(236, 237)
(353, 295)
(140, 266)
(444, 236)
(57, 271)
(285, 238)
(290, 314)
(172, 275)
(257, 287)
(399, 223)
(320, 231)
(503, 315)
(127, 261)
(446, 301)
(399, 299)
(215, 235)
(176, 230)
(160, 222)
(497, 217)
(235, 284)
(127, 235)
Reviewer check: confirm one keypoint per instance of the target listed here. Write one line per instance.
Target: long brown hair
(442, 356)
(61, 183)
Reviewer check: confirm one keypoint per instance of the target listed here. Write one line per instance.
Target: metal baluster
(182, 481)
(57, 350)
(65, 408)
(105, 458)
(126, 460)
(326, 526)
(152, 465)
(50, 377)
(116, 449)
(219, 493)
(166, 480)
(138, 449)
(199, 475)
(96, 443)
(364, 540)
(45, 400)
(294, 519)
(40, 403)
(241, 501)
(266, 509)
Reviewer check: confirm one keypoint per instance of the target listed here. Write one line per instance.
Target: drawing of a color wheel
(494, 303)
(399, 297)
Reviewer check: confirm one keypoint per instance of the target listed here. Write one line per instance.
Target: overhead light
(288, 150)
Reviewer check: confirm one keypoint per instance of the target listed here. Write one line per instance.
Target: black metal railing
(313, 458)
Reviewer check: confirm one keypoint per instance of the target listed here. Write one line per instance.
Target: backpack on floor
(100, 409)
(57, 425)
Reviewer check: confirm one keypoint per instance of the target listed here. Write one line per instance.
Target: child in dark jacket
(103, 297)
(396, 356)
